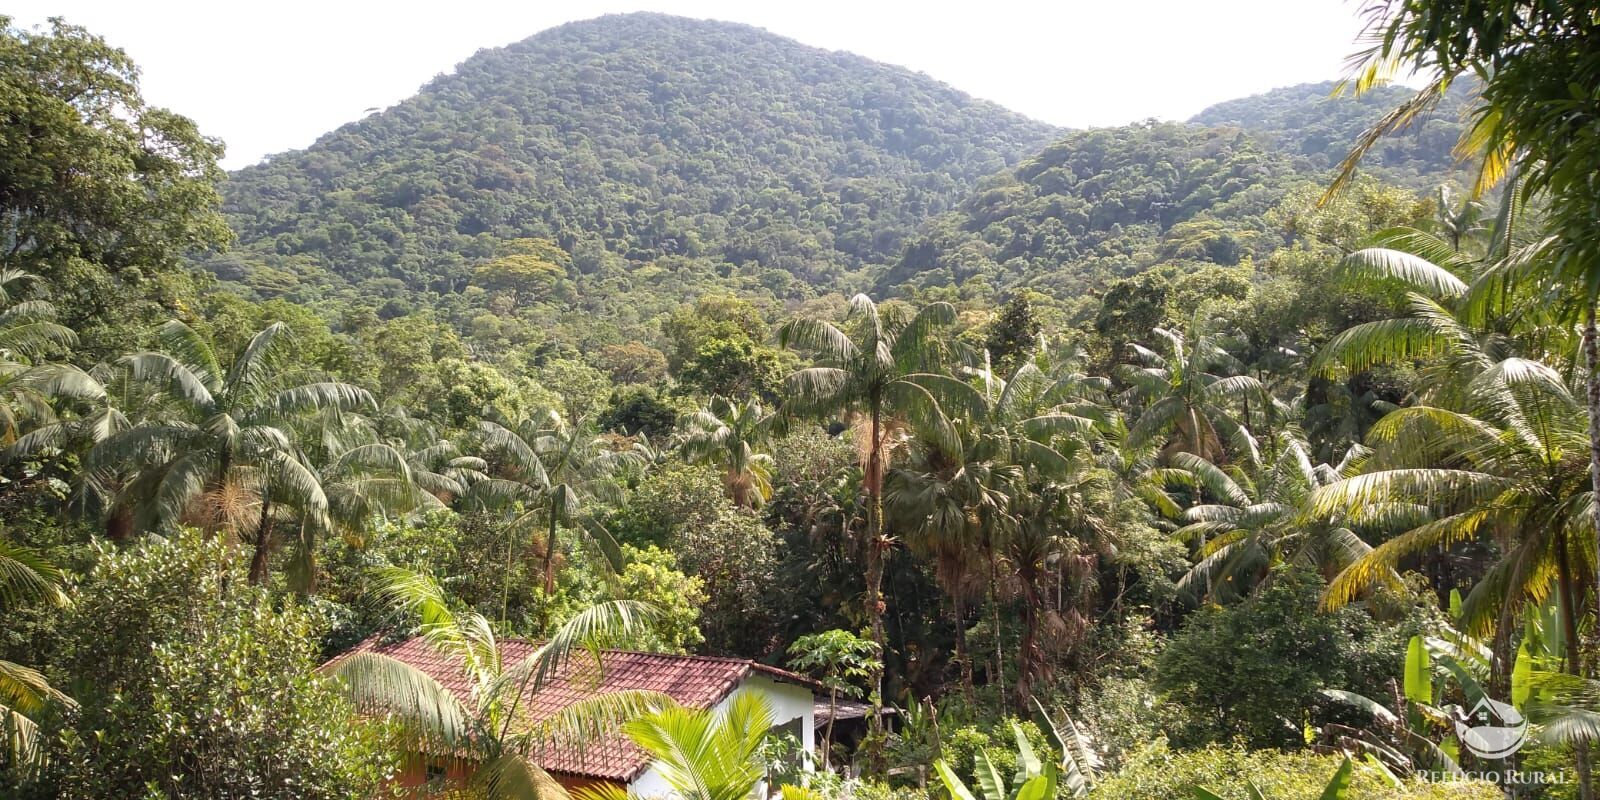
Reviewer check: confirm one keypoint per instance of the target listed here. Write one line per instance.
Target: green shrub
(1251, 671)
(192, 684)
(1157, 773)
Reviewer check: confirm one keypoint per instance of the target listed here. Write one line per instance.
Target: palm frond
(430, 716)
(1412, 270)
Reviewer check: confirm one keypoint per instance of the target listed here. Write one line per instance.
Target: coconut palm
(220, 453)
(29, 383)
(1509, 466)
(877, 377)
(25, 576)
(731, 436)
(484, 732)
(702, 754)
(1190, 397)
(553, 470)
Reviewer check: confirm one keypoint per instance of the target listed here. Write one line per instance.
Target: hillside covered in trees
(1316, 123)
(626, 139)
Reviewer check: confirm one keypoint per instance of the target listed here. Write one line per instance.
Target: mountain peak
(631, 137)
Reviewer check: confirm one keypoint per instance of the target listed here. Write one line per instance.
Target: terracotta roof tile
(696, 681)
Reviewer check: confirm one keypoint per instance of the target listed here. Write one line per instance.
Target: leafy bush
(193, 685)
(1157, 773)
(652, 576)
(1238, 671)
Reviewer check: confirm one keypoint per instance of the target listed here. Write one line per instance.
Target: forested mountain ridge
(1100, 204)
(1108, 203)
(1308, 123)
(638, 136)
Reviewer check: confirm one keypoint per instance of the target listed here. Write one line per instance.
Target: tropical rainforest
(1248, 456)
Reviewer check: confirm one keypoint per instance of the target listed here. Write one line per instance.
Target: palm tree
(437, 463)
(29, 384)
(365, 485)
(554, 470)
(1501, 422)
(1509, 465)
(952, 504)
(879, 377)
(1250, 524)
(954, 498)
(220, 452)
(484, 731)
(702, 754)
(731, 436)
(1186, 396)
(25, 576)
(1457, 221)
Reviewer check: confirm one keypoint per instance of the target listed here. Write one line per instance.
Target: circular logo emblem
(1493, 729)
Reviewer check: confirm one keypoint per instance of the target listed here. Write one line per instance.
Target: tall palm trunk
(1591, 363)
(1569, 631)
(1591, 360)
(999, 641)
(958, 608)
(1028, 656)
(876, 546)
(261, 559)
(550, 553)
(738, 488)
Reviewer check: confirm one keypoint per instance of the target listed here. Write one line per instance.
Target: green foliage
(651, 576)
(1239, 671)
(104, 194)
(838, 658)
(1034, 779)
(1013, 336)
(1104, 201)
(219, 698)
(1156, 773)
(624, 222)
(640, 410)
(700, 753)
(1312, 123)
(684, 509)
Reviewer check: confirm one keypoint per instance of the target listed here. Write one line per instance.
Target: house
(695, 681)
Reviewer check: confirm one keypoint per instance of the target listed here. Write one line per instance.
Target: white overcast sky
(273, 76)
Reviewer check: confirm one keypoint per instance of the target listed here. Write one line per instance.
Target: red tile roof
(695, 681)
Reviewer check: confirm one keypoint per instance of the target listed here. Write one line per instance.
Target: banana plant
(1034, 779)
(1338, 787)
(1404, 735)
(1080, 764)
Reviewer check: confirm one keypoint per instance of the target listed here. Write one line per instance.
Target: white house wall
(788, 701)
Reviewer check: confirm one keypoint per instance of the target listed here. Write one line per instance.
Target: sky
(266, 77)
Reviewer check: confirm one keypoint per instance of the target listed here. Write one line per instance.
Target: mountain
(1101, 204)
(1308, 123)
(625, 140)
